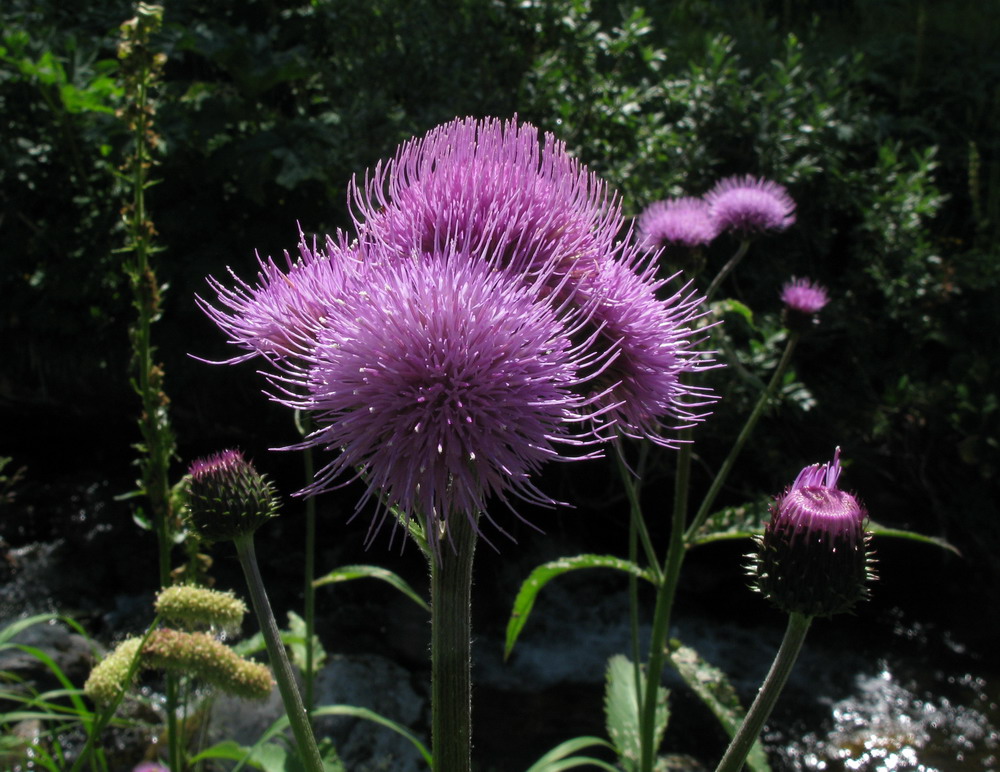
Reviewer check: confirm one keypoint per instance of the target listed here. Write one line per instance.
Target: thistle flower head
(488, 188)
(685, 221)
(227, 497)
(281, 315)
(813, 557)
(446, 382)
(652, 346)
(750, 205)
(803, 299)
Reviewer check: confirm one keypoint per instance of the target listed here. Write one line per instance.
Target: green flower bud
(198, 607)
(109, 678)
(202, 656)
(227, 497)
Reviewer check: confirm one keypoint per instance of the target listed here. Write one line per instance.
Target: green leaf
(371, 715)
(269, 757)
(347, 573)
(538, 578)
(881, 530)
(740, 522)
(623, 701)
(296, 642)
(559, 758)
(713, 688)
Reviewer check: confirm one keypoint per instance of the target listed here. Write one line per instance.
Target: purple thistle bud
(684, 221)
(814, 556)
(150, 766)
(443, 383)
(488, 189)
(750, 205)
(282, 315)
(227, 497)
(803, 299)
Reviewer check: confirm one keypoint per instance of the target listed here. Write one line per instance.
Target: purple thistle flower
(150, 766)
(488, 189)
(803, 296)
(814, 557)
(651, 341)
(750, 204)
(684, 221)
(445, 383)
(282, 315)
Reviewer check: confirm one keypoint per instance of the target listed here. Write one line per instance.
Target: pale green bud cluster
(198, 607)
(109, 678)
(202, 656)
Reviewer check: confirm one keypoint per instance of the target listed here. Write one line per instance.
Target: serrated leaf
(740, 522)
(623, 699)
(538, 578)
(347, 573)
(296, 642)
(713, 688)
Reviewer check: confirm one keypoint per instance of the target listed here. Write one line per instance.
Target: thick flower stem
(749, 731)
(451, 677)
(297, 717)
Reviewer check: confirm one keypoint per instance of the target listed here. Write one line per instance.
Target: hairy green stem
(774, 682)
(451, 648)
(297, 718)
(665, 593)
(722, 475)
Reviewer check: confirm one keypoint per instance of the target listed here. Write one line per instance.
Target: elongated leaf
(371, 715)
(740, 522)
(538, 578)
(897, 533)
(269, 757)
(713, 688)
(22, 624)
(623, 700)
(347, 573)
(557, 758)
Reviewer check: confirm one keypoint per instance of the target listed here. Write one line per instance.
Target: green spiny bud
(198, 607)
(109, 678)
(202, 656)
(227, 497)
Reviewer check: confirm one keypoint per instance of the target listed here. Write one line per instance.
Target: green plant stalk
(726, 270)
(665, 592)
(763, 704)
(297, 718)
(722, 475)
(451, 660)
(302, 423)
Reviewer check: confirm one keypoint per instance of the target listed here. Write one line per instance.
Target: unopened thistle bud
(198, 607)
(814, 556)
(228, 498)
(110, 677)
(202, 656)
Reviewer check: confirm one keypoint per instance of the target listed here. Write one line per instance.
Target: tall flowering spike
(446, 382)
(110, 677)
(651, 343)
(282, 315)
(202, 656)
(227, 497)
(685, 221)
(814, 557)
(492, 190)
(803, 300)
(197, 607)
(750, 205)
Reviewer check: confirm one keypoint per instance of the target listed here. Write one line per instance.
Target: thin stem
(763, 401)
(774, 682)
(726, 270)
(636, 519)
(294, 708)
(451, 627)
(302, 423)
(666, 591)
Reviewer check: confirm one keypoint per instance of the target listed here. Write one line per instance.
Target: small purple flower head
(227, 497)
(489, 189)
(651, 344)
(804, 296)
(814, 556)
(282, 315)
(750, 205)
(444, 383)
(683, 221)
(150, 766)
